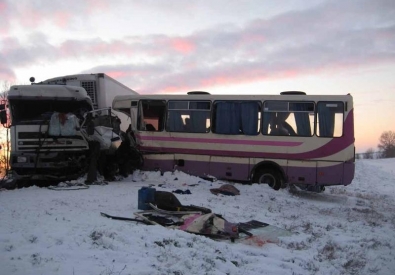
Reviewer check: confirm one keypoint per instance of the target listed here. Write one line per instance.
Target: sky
(344, 230)
(222, 46)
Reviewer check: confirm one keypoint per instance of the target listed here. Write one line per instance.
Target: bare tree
(379, 154)
(387, 144)
(369, 154)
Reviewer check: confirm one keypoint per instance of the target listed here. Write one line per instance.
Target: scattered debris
(182, 192)
(226, 189)
(163, 208)
(123, 218)
(68, 188)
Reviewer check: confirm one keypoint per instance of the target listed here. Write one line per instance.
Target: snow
(344, 230)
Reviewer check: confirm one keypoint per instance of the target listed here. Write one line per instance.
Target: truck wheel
(268, 176)
(10, 184)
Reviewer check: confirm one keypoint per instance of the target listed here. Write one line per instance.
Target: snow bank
(345, 230)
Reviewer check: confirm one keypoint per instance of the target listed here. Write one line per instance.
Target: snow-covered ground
(345, 230)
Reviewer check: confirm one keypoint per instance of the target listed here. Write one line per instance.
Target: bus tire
(268, 176)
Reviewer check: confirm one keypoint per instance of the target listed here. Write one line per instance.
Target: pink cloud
(6, 74)
(3, 7)
(152, 46)
(29, 17)
(276, 48)
(94, 5)
(61, 18)
(32, 13)
(163, 79)
(117, 74)
(95, 47)
(4, 10)
(182, 45)
(116, 47)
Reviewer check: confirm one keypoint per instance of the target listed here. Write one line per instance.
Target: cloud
(327, 38)
(6, 73)
(4, 15)
(181, 45)
(32, 14)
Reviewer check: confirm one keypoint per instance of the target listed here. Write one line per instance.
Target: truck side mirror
(3, 114)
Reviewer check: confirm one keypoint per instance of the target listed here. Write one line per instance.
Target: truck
(100, 87)
(53, 124)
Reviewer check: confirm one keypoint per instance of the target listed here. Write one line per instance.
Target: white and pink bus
(294, 138)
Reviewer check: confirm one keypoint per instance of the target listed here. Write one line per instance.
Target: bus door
(150, 123)
(133, 115)
(330, 126)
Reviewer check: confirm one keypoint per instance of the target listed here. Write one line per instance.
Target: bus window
(236, 117)
(287, 118)
(151, 115)
(330, 119)
(188, 116)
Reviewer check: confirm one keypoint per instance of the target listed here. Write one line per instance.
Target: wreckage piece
(155, 218)
(260, 233)
(209, 225)
(226, 189)
(253, 224)
(149, 198)
(168, 201)
(214, 226)
(169, 212)
(68, 188)
(192, 219)
(177, 213)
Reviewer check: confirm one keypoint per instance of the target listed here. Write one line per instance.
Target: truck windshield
(40, 111)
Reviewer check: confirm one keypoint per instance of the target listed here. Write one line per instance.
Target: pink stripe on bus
(222, 141)
(334, 146)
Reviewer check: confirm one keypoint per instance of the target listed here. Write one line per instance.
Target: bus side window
(188, 126)
(303, 119)
(150, 127)
(188, 116)
(236, 117)
(330, 116)
(288, 118)
(279, 127)
(151, 114)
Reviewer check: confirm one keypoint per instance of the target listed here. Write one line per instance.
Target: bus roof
(292, 97)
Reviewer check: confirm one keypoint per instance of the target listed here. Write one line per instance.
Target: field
(344, 230)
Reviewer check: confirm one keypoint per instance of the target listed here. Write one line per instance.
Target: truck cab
(49, 132)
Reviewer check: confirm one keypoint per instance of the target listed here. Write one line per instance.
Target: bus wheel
(268, 176)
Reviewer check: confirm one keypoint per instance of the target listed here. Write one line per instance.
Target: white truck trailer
(100, 87)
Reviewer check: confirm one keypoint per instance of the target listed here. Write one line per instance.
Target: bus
(289, 138)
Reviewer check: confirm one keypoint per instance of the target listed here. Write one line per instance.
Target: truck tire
(268, 176)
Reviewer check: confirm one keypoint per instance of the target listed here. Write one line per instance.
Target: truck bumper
(51, 166)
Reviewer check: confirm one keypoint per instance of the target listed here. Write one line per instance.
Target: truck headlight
(21, 159)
